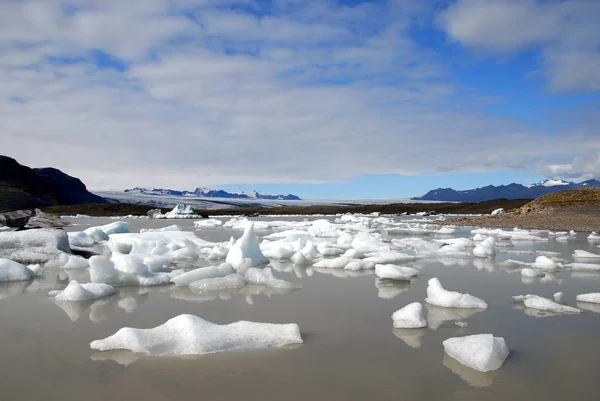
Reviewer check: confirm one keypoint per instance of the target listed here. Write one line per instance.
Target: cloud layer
(185, 93)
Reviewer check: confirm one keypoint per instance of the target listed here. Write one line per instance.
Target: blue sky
(324, 99)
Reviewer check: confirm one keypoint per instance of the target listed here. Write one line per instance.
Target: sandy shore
(578, 218)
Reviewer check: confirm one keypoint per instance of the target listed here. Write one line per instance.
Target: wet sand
(350, 350)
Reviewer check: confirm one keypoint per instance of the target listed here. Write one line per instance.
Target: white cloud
(313, 92)
(567, 32)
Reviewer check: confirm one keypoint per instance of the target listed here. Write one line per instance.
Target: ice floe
(192, 335)
(246, 247)
(410, 317)
(485, 249)
(544, 304)
(592, 297)
(395, 272)
(75, 292)
(123, 270)
(438, 296)
(13, 271)
(579, 254)
(34, 246)
(482, 352)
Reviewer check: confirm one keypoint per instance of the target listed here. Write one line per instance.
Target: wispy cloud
(183, 93)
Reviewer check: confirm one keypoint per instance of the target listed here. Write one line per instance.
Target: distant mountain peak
(510, 191)
(202, 192)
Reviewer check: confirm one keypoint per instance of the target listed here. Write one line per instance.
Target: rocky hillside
(22, 187)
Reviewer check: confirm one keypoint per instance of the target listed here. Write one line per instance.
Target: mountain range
(22, 187)
(510, 191)
(212, 193)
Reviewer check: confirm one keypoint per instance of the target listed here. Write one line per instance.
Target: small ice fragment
(592, 297)
(410, 317)
(482, 352)
(395, 272)
(437, 295)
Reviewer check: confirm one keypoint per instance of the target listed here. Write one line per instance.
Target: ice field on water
(343, 307)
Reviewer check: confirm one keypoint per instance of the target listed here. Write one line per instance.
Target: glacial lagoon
(350, 349)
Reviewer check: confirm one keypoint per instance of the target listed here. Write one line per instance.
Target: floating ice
(593, 237)
(118, 227)
(208, 223)
(410, 317)
(585, 266)
(34, 246)
(592, 297)
(366, 242)
(482, 352)
(485, 249)
(580, 254)
(498, 211)
(395, 272)
(13, 271)
(257, 276)
(436, 316)
(84, 292)
(246, 247)
(437, 295)
(173, 227)
(544, 304)
(323, 229)
(191, 335)
(545, 263)
(558, 297)
(307, 255)
(80, 239)
(201, 273)
(125, 270)
(527, 272)
(232, 281)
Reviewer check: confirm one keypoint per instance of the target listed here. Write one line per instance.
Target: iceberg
(485, 249)
(34, 246)
(544, 262)
(192, 335)
(395, 272)
(585, 255)
(544, 304)
(123, 270)
(13, 271)
(410, 317)
(592, 297)
(246, 247)
(438, 296)
(76, 292)
(482, 352)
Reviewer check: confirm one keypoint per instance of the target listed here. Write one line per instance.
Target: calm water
(350, 350)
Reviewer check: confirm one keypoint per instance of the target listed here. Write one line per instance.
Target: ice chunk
(34, 246)
(531, 273)
(246, 247)
(485, 249)
(544, 304)
(410, 317)
(323, 229)
(173, 227)
(558, 297)
(395, 272)
(307, 255)
(585, 266)
(190, 335)
(201, 273)
(437, 295)
(80, 239)
(580, 254)
(13, 271)
(482, 352)
(75, 262)
(593, 237)
(118, 227)
(208, 223)
(257, 276)
(125, 270)
(592, 297)
(498, 211)
(96, 234)
(232, 281)
(366, 242)
(335, 263)
(545, 263)
(84, 292)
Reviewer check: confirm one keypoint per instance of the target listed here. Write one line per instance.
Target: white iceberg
(410, 317)
(485, 249)
(122, 270)
(482, 352)
(585, 255)
(75, 292)
(395, 272)
(230, 282)
(34, 246)
(208, 223)
(257, 276)
(201, 273)
(191, 335)
(530, 273)
(544, 304)
(246, 247)
(585, 266)
(545, 263)
(437, 295)
(592, 297)
(13, 271)
(498, 211)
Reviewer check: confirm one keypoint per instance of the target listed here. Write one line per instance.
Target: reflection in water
(436, 315)
(388, 289)
(585, 274)
(474, 377)
(248, 291)
(282, 266)
(412, 337)
(8, 290)
(128, 299)
(484, 265)
(122, 357)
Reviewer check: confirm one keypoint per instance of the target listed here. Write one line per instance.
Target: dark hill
(22, 187)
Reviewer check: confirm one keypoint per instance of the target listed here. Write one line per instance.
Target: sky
(320, 98)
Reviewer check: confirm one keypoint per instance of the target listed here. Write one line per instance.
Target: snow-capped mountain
(212, 193)
(511, 191)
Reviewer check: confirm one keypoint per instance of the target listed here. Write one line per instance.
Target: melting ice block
(191, 335)
(482, 352)
(201, 273)
(230, 282)
(34, 246)
(125, 270)
(76, 292)
(246, 247)
(410, 317)
(592, 297)
(437, 295)
(531, 273)
(485, 249)
(544, 262)
(395, 272)
(585, 255)
(544, 304)
(13, 271)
